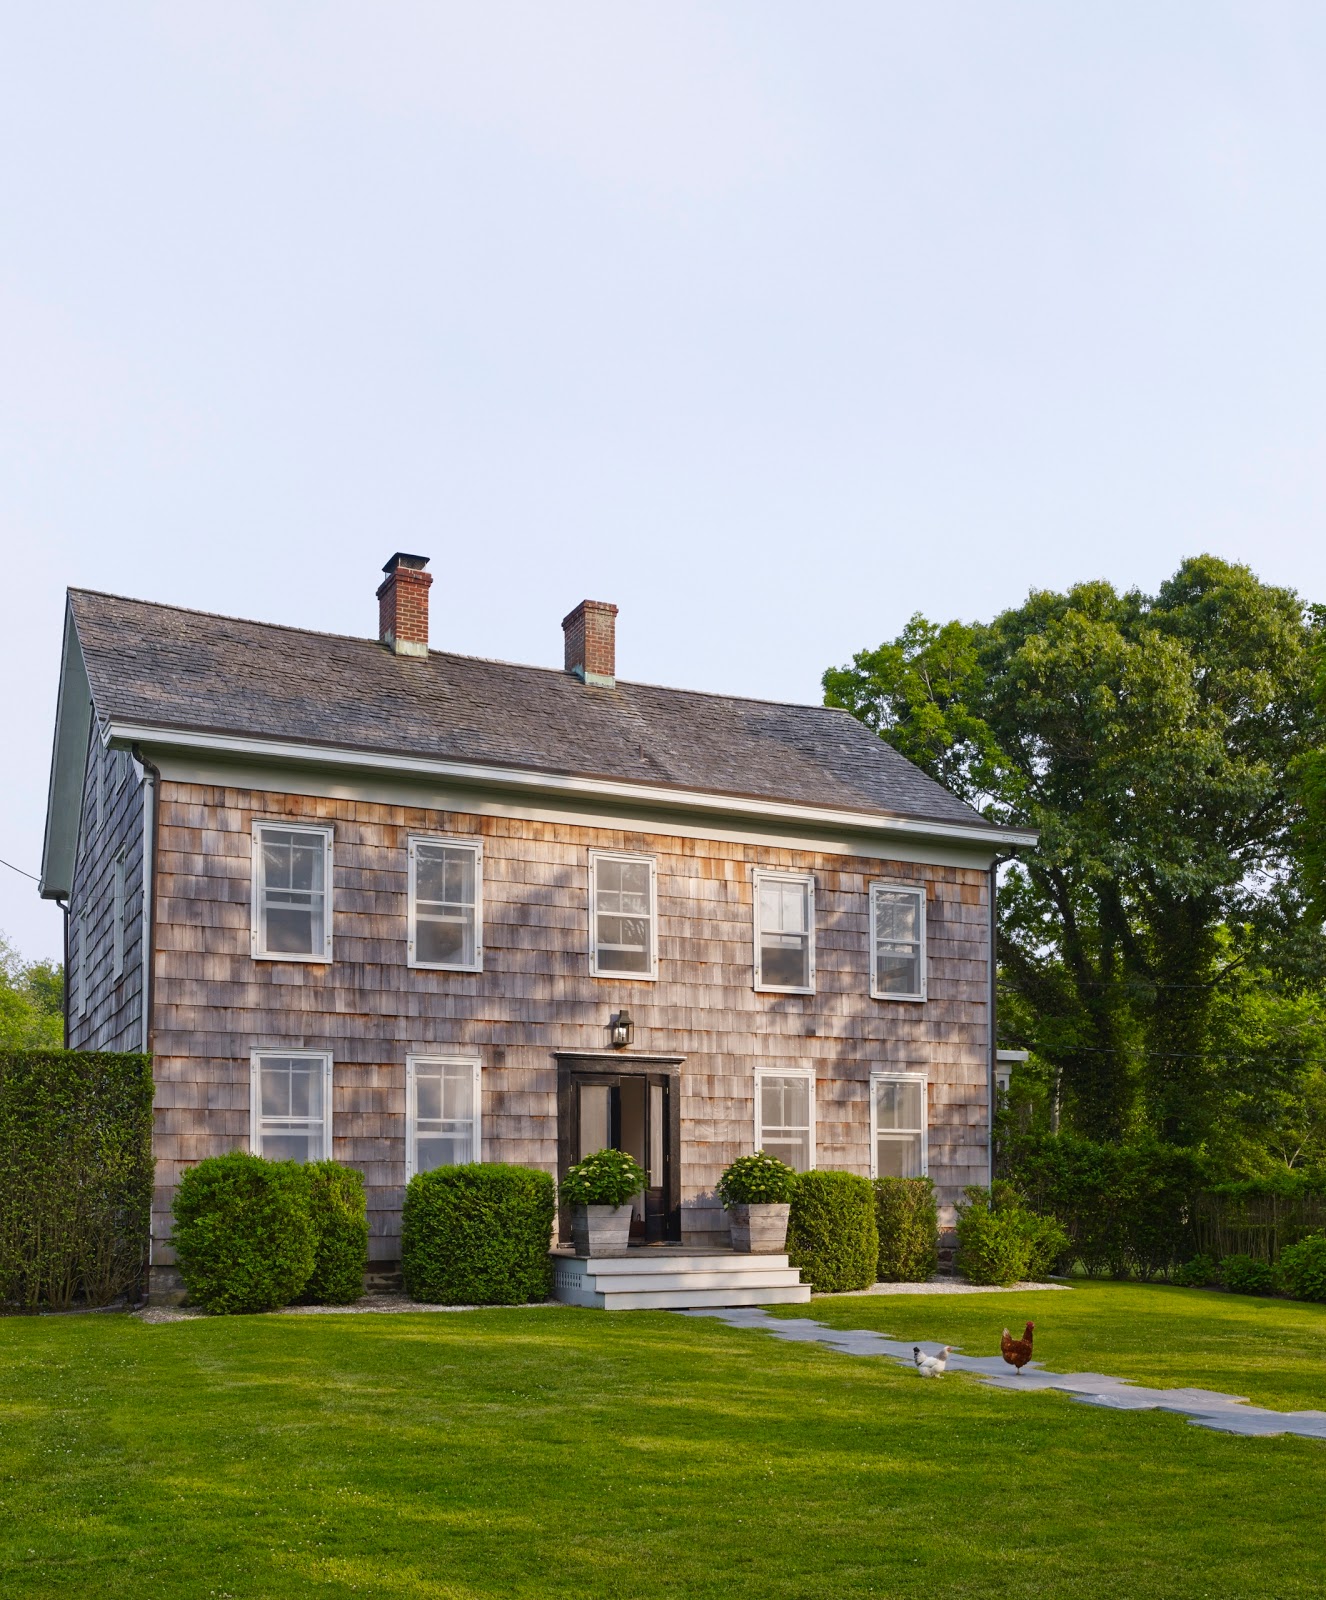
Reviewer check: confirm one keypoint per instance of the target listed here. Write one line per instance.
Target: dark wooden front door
(613, 1106)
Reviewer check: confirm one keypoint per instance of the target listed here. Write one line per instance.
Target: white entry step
(657, 1279)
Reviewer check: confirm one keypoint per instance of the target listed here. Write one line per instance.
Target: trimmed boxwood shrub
(75, 1175)
(478, 1234)
(1243, 1275)
(908, 1223)
(831, 1233)
(244, 1235)
(1000, 1241)
(1303, 1268)
(758, 1180)
(339, 1211)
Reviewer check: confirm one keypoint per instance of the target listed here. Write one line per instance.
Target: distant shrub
(758, 1180)
(831, 1232)
(908, 1226)
(1243, 1275)
(1001, 1241)
(1303, 1268)
(340, 1219)
(244, 1235)
(1196, 1273)
(478, 1234)
(606, 1178)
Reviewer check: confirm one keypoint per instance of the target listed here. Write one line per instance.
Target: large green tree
(1151, 739)
(31, 1002)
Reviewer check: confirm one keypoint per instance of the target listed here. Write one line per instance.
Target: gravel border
(946, 1286)
(370, 1303)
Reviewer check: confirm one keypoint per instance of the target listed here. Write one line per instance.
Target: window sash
(443, 1112)
(458, 910)
(784, 932)
(899, 1125)
(623, 917)
(290, 1105)
(897, 942)
(292, 880)
(785, 1116)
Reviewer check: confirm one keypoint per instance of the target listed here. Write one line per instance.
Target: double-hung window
(292, 877)
(623, 916)
(290, 1106)
(785, 932)
(442, 1112)
(898, 1125)
(785, 1115)
(897, 942)
(446, 905)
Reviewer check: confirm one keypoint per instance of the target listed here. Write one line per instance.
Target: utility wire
(19, 870)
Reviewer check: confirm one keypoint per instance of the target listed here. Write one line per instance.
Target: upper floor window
(446, 905)
(897, 942)
(292, 874)
(441, 1112)
(785, 1115)
(785, 932)
(898, 1125)
(290, 1105)
(622, 916)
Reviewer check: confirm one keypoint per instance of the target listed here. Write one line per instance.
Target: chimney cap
(400, 559)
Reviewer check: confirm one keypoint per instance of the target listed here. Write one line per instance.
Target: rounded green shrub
(478, 1234)
(908, 1223)
(340, 1219)
(758, 1180)
(606, 1178)
(1245, 1275)
(243, 1235)
(1303, 1268)
(1196, 1273)
(1000, 1241)
(831, 1233)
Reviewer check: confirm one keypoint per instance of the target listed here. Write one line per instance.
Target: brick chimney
(403, 605)
(591, 642)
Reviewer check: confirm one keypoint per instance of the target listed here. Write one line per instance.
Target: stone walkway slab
(1205, 1408)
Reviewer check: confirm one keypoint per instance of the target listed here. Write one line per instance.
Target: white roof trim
(64, 797)
(515, 778)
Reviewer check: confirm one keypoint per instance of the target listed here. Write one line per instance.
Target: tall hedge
(908, 1223)
(75, 1175)
(831, 1232)
(478, 1234)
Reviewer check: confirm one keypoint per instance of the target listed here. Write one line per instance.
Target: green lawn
(572, 1453)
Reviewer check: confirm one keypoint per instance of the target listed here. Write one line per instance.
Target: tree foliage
(1158, 742)
(31, 1002)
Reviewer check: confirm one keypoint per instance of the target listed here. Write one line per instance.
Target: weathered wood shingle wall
(213, 1004)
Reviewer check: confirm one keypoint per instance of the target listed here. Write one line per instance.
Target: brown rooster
(1017, 1352)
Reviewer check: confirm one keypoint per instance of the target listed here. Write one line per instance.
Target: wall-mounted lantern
(621, 1030)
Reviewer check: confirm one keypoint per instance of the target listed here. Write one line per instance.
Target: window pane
(445, 941)
(444, 1115)
(290, 1108)
(785, 961)
(899, 1155)
(623, 932)
(441, 1150)
(785, 1119)
(897, 915)
(791, 1148)
(898, 1104)
(292, 1146)
(897, 970)
(595, 1117)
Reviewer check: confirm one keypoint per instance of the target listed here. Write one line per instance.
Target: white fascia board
(64, 796)
(554, 783)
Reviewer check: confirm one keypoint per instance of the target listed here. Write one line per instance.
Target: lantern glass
(620, 1030)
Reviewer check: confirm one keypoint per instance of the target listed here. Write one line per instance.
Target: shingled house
(369, 899)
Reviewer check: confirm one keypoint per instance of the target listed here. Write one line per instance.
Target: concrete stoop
(658, 1279)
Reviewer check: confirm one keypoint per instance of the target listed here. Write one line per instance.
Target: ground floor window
(442, 1112)
(785, 1115)
(291, 1105)
(898, 1124)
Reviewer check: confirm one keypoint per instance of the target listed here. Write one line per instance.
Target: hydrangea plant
(758, 1180)
(606, 1178)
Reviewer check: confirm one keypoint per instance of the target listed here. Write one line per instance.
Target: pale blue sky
(773, 323)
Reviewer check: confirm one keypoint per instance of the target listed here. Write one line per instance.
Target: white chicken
(931, 1366)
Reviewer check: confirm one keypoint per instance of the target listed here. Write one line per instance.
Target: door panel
(629, 1111)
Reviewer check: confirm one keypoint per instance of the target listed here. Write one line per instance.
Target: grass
(568, 1453)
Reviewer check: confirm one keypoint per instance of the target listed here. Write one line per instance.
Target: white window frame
(117, 915)
(918, 891)
(806, 880)
(255, 1095)
(476, 849)
(883, 1075)
(808, 1073)
(432, 1059)
(258, 912)
(595, 856)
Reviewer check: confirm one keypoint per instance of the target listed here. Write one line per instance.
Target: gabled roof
(162, 667)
